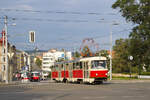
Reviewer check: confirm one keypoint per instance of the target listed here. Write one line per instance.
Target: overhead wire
(64, 20)
(58, 12)
(56, 20)
(47, 20)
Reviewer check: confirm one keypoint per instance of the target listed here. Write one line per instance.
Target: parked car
(35, 76)
(25, 77)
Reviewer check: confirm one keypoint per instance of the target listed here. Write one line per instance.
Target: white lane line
(133, 96)
(101, 97)
(10, 93)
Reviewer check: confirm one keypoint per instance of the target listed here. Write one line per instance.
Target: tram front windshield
(98, 64)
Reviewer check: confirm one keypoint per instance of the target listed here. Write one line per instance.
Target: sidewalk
(129, 81)
(10, 83)
(20, 82)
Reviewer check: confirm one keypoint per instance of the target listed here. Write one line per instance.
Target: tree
(120, 60)
(86, 52)
(76, 54)
(137, 12)
(102, 53)
(38, 62)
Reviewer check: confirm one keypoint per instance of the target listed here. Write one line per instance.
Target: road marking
(133, 96)
(37, 99)
(10, 93)
(101, 97)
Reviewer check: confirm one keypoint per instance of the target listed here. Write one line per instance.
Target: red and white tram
(84, 70)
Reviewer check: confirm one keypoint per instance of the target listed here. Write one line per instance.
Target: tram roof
(69, 61)
(82, 59)
(93, 58)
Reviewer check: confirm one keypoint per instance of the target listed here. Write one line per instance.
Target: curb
(128, 81)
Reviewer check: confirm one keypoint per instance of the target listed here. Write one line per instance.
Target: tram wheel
(65, 80)
(81, 82)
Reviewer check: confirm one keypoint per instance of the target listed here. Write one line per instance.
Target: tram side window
(74, 65)
(59, 67)
(80, 65)
(67, 65)
(70, 66)
(62, 67)
(86, 65)
(77, 65)
(56, 67)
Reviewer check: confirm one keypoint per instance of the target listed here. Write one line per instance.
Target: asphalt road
(112, 90)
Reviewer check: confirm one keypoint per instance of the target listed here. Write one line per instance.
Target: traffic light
(32, 36)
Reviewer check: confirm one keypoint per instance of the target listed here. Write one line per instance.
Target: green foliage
(137, 12)
(124, 78)
(86, 52)
(38, 62)
(120, 60)
(102, 53)
(145, 73)
(49, 75)
(76, 54)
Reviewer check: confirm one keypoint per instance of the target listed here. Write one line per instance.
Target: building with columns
(12, 61)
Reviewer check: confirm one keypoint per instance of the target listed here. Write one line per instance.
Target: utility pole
(6, 49)
(114, 23)
(111, 52)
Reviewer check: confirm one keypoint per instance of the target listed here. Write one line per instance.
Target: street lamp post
(114, 23)
(6, 49)
(130, 58)
(111, 25)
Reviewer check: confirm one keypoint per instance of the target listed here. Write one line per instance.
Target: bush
(145, 73)
(49, 75)
(124, 78)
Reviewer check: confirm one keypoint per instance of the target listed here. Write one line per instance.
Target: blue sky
(66, 30)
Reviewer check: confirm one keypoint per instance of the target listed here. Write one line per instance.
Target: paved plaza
(111, 90)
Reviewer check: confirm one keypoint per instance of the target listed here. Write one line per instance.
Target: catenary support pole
(6, 49)
(111, 52)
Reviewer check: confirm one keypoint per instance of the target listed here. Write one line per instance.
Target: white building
(52, 56)
(48, 60)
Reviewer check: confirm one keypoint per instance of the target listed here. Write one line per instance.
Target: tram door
(59, 71)
(86, 68)
(70, 70)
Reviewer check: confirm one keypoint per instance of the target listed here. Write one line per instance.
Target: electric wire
(57, 12)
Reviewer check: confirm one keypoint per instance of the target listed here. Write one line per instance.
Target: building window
(46, 63)
(45, 58)
(4, 59)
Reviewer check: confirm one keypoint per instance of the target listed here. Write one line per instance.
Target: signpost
(130, 58)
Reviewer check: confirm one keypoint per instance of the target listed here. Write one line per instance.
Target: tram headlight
(106, 74)
(96, 74)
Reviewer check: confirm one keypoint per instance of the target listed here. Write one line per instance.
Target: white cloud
(26, 7)
(72, 2)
